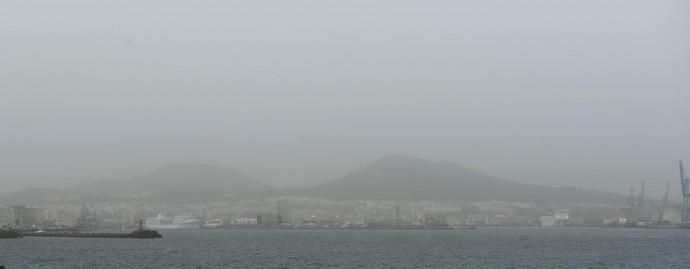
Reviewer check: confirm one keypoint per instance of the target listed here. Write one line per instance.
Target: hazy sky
(588, 93)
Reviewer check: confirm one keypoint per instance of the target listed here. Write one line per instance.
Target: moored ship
(213, 223)
(177, 222)
(555, 218)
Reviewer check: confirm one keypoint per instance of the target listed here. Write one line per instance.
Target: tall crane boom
(684, 182)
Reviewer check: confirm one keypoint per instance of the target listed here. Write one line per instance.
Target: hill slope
(176, 178)
(34, 195)
(397, 177)
(179, 182)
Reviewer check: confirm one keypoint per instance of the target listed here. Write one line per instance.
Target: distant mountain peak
(397, 164)
(400, 177)
(392, 161)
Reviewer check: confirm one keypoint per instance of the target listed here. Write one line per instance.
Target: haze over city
(344, 134)
(581, 93)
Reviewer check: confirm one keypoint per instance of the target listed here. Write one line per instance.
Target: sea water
(486, 247)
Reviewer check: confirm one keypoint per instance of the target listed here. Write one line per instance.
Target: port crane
(684, 182)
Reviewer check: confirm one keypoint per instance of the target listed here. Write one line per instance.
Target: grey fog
(593, 94)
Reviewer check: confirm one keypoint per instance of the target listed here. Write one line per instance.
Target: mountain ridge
(164, 183)
(399, 177)
(175, 177)
(391, 177)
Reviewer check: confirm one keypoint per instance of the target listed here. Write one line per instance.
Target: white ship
(177, 222)
(212, 224)
(555, 218)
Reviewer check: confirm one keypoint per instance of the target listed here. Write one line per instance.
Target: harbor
(116, 219)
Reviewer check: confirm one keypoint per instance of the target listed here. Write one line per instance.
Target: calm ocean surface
(533, 247)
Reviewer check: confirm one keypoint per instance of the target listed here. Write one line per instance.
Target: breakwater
(139, 234)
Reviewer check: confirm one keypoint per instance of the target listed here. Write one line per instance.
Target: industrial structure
(684, 182)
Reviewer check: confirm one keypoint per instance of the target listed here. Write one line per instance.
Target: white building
(6, 216)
